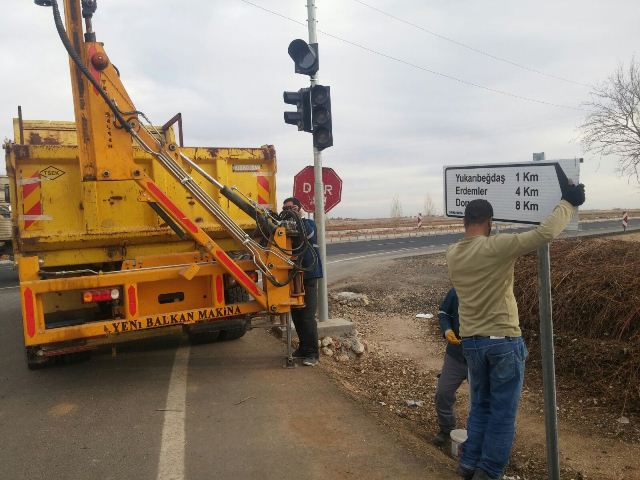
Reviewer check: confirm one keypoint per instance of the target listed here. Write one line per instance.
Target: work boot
(310, 361)
(440, 439)
(465, 472)
(482, 475)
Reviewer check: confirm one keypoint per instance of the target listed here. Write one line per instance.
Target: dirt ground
(632, 237)
(403, 359)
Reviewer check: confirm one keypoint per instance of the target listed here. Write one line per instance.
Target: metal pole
(323, 302)
(548, 361)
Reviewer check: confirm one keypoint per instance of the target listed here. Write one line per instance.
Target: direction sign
(303, 188)
(519, 192)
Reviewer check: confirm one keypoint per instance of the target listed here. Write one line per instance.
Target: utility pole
(319, 217)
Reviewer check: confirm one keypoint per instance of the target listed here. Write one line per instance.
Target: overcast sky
(224, 65)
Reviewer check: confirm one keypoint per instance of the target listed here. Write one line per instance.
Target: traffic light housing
(321, 123)
(304, 56)
(302, 116)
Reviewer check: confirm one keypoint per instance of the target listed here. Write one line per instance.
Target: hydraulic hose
(57, 18)
(264, 222)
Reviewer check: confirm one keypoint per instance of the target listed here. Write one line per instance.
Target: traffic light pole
(323, 301)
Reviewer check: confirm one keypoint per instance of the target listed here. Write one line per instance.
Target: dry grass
(596, 302)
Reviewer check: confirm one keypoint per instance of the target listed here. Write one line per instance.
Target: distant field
(347, 226)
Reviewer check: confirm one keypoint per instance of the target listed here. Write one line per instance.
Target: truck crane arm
(170, 156)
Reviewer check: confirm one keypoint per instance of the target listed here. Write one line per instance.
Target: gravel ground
(402, 359)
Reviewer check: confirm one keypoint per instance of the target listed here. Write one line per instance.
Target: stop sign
(303, 188)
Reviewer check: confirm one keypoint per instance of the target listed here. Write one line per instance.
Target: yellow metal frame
(135, 275)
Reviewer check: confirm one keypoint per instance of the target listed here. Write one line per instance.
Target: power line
(473, 49)
(416, 66)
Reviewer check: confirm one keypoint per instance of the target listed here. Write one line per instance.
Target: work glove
(574, 194)
(451, 337)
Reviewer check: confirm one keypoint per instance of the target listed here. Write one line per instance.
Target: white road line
(171, 462)
(375, 254)
(9, 288)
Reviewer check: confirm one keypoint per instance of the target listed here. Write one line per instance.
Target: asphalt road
(441, 241)
(164, 410)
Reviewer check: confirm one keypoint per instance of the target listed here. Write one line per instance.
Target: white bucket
(458, 437)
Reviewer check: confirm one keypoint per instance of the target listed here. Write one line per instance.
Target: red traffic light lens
(319, 94)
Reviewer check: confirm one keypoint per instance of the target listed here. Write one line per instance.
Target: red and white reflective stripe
(625, 219)
(264, 190)
(31, 201)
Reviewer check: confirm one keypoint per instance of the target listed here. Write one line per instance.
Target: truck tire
(235, 294)
(200, 338)
(36, 362)
(77, 357)
(235, 332)
(224, 330)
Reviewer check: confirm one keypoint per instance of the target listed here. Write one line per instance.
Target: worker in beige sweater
(481, 270)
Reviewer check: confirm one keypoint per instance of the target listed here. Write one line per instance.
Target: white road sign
(519, 192)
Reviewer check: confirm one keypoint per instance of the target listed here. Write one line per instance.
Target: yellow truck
(121, 232)
(5, 218)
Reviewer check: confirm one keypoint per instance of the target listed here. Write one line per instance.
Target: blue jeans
(496, 372)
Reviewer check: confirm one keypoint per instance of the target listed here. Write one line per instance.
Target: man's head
(292, 203)
(478, 215)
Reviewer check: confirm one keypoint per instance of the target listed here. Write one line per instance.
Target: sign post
(523, 193)
(545, 306)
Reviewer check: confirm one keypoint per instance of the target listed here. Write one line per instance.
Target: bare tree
(429, 207)
(396, 210)
(612, 126)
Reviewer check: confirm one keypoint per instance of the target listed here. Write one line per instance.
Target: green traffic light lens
(322, 137)
(321, 116)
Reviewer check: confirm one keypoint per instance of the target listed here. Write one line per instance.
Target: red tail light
(101, 295)
(253, 275)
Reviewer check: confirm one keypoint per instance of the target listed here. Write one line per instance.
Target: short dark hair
(293, 200)
(477, 211)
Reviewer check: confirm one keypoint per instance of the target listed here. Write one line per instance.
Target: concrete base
(333, 327)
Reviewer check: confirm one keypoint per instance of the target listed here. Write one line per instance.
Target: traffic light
(301, 117)
(304, 56)
(321, 117)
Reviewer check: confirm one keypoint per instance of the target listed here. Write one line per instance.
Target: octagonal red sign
(303, 188)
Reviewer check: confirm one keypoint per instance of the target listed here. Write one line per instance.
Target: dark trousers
(453, 373)
(304, 319)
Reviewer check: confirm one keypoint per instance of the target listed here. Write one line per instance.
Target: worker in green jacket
(481, 270)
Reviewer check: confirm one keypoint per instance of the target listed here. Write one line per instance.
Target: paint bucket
(458, 437)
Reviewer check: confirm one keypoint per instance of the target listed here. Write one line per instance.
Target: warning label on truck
(51, 172)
